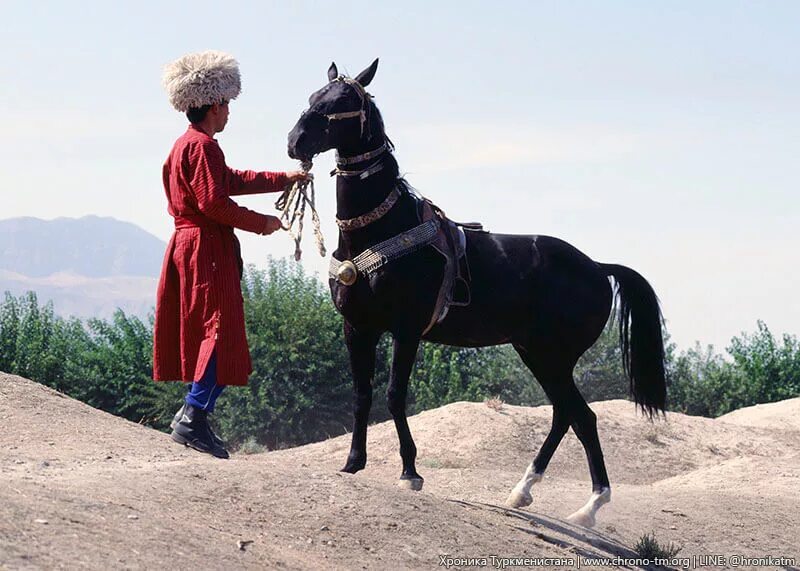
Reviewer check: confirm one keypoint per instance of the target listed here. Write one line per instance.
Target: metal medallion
(347, 273)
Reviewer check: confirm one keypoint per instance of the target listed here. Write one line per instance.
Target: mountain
(87, 266)
(92, 246)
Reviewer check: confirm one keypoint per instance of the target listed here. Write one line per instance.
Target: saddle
(451, 242)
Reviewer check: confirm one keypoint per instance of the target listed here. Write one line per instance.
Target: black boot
(217, 440)
(192, 430)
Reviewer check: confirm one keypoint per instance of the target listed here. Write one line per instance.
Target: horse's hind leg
(569, 409)
(361, 346)
(584, 424)
(521, 494)
(550, 380)
(404, 354)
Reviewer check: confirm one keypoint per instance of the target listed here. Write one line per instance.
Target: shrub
(649, 548)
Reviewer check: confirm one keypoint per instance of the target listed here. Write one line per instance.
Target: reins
(292, 204)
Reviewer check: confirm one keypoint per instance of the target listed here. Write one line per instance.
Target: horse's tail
(640, 338)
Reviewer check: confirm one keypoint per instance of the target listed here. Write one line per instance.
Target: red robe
(199, 303)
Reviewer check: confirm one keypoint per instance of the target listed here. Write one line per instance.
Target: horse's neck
(356, 197)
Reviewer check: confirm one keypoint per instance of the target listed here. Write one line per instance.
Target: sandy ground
(84, 489)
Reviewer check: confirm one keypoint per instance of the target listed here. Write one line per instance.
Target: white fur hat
(202, 79)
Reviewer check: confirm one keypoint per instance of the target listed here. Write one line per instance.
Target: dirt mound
(466, 435)
(784, 415)
(85, 489)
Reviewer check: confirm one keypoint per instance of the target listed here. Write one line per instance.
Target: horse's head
(340, 116)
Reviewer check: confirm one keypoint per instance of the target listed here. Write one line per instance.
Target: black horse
(546, 298)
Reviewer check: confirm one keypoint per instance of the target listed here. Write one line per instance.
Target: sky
(662, 136)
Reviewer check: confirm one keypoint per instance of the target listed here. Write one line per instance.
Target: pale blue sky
(663, 136)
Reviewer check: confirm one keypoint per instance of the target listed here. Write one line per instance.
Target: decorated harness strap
(371, 259)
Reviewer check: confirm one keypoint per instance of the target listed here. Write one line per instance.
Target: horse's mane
(379, 118)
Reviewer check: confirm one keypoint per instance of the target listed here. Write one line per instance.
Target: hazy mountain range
(87, 266)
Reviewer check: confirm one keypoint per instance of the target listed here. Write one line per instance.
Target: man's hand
(273, 224)
(299, 176)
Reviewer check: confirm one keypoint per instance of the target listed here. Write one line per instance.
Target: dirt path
(83, 489)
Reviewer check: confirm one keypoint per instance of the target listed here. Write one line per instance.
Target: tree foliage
(107, 364)
(444, 374)
(301, 387)
(760, 369)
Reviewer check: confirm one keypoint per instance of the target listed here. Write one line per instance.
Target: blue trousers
(204, 392)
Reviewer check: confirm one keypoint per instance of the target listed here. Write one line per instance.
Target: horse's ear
(365, 77)
(333, 72)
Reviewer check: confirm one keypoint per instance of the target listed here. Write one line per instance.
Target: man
(199, 332)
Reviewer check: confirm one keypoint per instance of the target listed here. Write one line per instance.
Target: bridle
(364, 116)
(376, 166)
(373, 258)
(362, 113)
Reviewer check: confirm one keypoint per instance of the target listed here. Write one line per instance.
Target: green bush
(301, 388)
(759, 369)
(647, 547)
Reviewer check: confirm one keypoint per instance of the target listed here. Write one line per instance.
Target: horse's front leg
(404, 355)
(361, 346)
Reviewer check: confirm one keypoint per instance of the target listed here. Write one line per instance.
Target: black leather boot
(217, 440)
(192, 430)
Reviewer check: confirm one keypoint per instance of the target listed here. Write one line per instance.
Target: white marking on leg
(586, 515)
(413, 484)
(520, 496)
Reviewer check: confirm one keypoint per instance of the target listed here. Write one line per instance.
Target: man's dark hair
(197, 114)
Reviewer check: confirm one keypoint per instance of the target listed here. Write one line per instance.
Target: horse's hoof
(354, 463)
(413, 484)
(586, 515)
(352, 468)
(582, 518)
(519, 499)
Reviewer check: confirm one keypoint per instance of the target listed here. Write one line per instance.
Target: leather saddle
(451, 242)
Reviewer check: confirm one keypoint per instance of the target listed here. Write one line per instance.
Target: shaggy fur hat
(201, 79)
